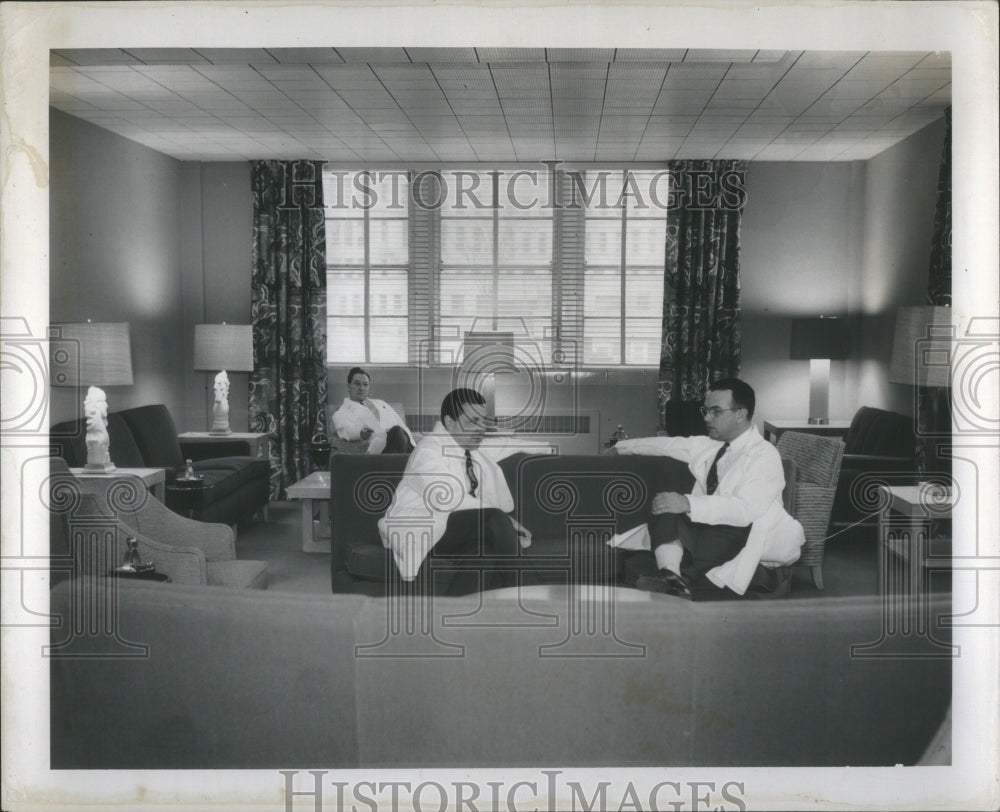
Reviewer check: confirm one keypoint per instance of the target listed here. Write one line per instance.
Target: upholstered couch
(571, 504)
(236, 484)
(879, 447)
(244, 679)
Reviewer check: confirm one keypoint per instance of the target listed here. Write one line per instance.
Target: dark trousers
(396, 442)
(706, 546)
(471, 535)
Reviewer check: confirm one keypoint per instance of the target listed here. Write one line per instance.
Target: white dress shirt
(436, 484)
(352, 417)
(751, 480)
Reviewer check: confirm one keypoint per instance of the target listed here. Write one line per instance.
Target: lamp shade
(820, 337)
(98, 354)
(223, 346)
(921, 346)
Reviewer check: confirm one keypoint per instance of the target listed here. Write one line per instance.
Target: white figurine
(95, 410)
(220, 411)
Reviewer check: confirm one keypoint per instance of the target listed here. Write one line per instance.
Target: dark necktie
(471, 471)
(712, 483)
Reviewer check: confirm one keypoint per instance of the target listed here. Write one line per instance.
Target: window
(367, 274)
(496, 258)
(624, 248)
(487, 251)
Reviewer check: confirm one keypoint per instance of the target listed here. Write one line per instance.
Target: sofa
(236, 484)
(571, 504)
(240, 679)
(879, 448)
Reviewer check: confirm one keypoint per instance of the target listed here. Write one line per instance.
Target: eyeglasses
(715, 411)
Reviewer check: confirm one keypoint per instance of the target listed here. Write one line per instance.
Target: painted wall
(830, 238)
(115, 255)
(899, 203)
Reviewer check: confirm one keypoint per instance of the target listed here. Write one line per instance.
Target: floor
(850, 566)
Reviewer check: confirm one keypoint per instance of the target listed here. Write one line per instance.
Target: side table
(154, 478)
(773, 429)
(314, 491)
(257, 440)
(151, 575)
(907, 535)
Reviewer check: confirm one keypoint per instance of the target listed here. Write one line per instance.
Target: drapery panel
(288, 390)
(701, 336)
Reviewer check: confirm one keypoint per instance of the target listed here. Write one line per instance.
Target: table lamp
(487, 354)
(103, 357)
(819, 340)
(222, 347)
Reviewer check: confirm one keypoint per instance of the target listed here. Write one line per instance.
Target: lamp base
(100, 467)
(220, 432)
(819, 421)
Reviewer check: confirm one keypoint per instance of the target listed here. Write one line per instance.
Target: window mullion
(367, 288)
(621, 314)
(496, 246)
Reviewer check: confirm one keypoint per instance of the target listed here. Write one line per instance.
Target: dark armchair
(879, 447)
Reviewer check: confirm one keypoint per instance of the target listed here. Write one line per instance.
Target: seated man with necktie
(453, 500)
(731, 534)
(363, 418)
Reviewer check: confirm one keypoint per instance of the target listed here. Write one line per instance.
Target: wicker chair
(817, 467)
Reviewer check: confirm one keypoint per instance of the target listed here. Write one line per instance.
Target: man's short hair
(357, 371)
(743, 394)
(456, 399)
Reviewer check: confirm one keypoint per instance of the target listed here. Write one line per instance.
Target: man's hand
(366, 433)
(523, 533)
(670, 502)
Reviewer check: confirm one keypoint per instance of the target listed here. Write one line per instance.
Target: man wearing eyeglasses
(731, 534)
(453, 500)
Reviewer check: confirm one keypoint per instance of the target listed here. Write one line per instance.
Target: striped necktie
(712, 482)
(471, 471)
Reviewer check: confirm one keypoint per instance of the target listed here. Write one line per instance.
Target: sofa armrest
(184, 565)
(221, 447)
(140, 511)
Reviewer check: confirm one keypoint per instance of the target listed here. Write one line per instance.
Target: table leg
(310, 542)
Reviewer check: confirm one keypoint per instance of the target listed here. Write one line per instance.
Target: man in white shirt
(731, 534)
(453, 500)
(362, 418)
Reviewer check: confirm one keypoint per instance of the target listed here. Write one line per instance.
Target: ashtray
(130, 569)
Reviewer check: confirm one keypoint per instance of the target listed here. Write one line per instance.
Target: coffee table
(314, 491)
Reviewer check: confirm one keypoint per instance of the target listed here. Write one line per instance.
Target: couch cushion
(239, 574)
(70, 440)
(245, 469)
(155, 435)
(877, 431)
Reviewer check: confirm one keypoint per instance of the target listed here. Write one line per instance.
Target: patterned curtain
(701, 292)
(288, 313)
(939, 287)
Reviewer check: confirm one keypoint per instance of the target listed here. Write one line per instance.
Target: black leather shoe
(666, 583)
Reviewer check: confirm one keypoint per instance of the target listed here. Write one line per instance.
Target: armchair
(817, 466)
(189, 551)
(879, 447)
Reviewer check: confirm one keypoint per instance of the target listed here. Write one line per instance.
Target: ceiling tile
(305, 56)
(442, 54)
(650, 54)
(96, 56)
(511, 54)
(720, 55)
(168, 56)
(237, 56)
(579, 54)
(373, 55)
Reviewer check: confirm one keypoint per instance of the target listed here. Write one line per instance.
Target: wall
(899, 203)
(166, 245)
(800, 240)
(115, 255)
(217, 225)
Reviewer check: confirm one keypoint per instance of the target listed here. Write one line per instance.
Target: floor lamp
(228, 348)
(94, 354)
(820, 340)
(921, 357)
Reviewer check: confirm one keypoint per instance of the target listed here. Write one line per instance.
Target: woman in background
(361, 418)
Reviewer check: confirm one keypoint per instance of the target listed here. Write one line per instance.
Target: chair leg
(817, 573)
